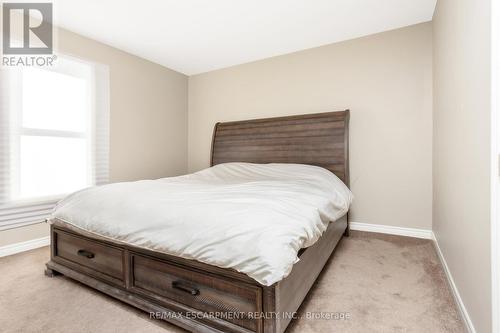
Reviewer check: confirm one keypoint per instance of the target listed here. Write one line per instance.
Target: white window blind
(54, 136)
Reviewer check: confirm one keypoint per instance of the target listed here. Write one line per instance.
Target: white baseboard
(391, 230)
(454, 290)
(10, 249)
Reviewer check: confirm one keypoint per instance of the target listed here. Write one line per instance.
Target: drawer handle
(188, 289)
(85, 253)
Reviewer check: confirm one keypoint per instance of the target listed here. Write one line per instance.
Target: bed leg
(347, 231)
(50, 272)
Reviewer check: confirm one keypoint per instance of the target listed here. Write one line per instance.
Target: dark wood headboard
(320, 139)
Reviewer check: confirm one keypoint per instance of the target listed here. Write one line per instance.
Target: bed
(193, 293)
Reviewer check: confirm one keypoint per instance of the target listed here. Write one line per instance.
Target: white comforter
(253, 218)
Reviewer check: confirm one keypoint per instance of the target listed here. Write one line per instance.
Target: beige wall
(148, 123)
(17, 235)
(148, 111)
(461, 160)
(386, 82)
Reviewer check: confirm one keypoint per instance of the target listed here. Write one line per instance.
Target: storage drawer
(94, 258)
(233, 302)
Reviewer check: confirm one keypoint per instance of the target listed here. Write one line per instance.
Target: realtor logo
(33, 24)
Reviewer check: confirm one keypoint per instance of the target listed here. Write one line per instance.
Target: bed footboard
(187, 293)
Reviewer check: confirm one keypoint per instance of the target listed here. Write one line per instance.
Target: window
(53, 138)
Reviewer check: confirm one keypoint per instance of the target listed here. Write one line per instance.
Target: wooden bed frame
(205, 298)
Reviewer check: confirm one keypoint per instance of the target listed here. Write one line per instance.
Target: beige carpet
(384, 284)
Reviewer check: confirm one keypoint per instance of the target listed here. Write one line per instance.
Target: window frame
(24, 211)
(19, 130)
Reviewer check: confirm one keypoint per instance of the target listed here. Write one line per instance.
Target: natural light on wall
(54, 136)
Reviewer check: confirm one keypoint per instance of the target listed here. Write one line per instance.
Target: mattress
(253, 218)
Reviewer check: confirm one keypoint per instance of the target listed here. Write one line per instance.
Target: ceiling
(195, 36)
